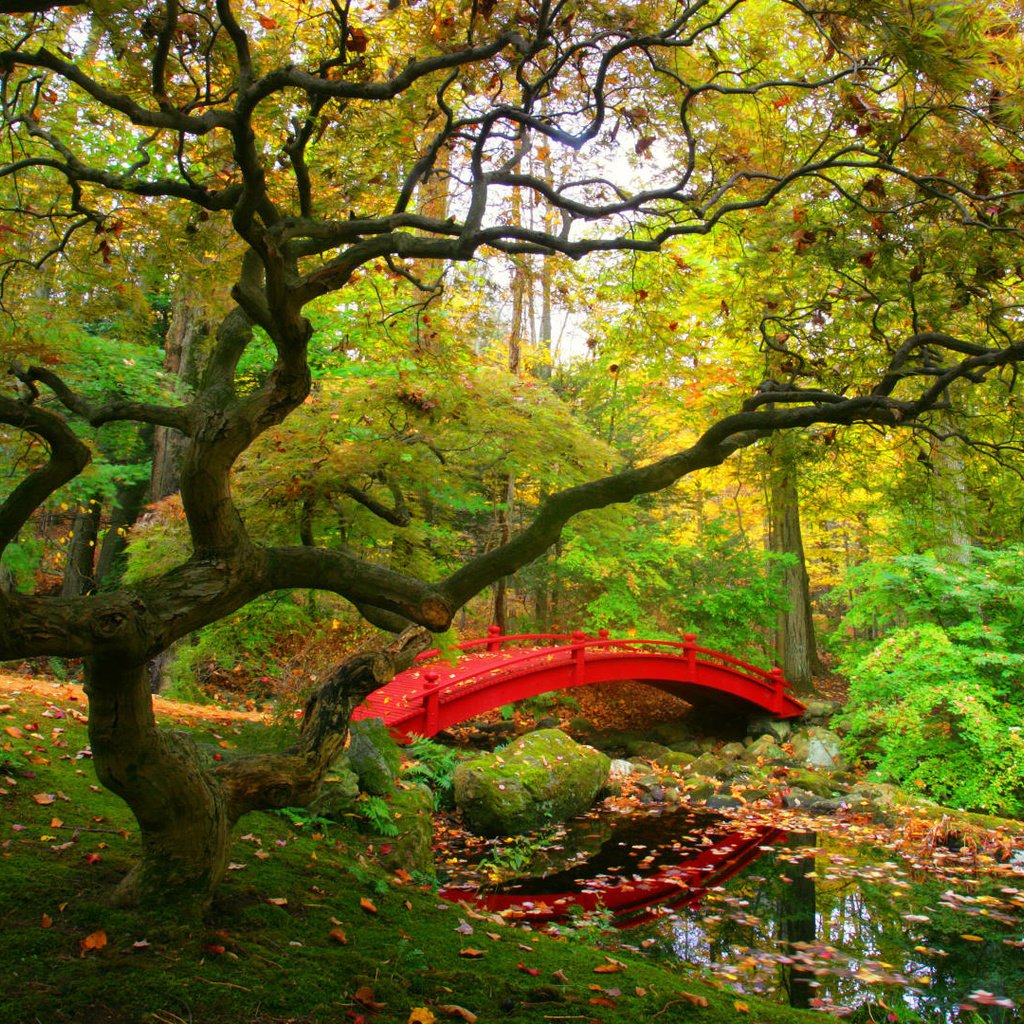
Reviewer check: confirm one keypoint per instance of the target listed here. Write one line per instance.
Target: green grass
(256, 962)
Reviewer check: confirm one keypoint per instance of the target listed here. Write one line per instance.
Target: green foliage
(650, 581)
(376, 811)
(433, 764)
(924, 707)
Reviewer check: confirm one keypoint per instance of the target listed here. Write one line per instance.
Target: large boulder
(543, 777)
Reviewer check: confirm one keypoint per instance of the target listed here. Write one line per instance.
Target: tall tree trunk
(129, 501)
(795, 646)
(80, 555)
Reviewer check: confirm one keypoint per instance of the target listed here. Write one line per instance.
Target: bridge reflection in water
(636, 869)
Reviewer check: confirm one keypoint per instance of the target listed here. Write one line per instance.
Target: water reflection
(817, 921)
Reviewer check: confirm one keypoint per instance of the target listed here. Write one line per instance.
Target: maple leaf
(95, 940)
(421, 1015)
(452, 1010)
(368, 905)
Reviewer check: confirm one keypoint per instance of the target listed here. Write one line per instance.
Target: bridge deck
(435, 694)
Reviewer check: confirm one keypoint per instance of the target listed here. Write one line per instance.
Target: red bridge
(498, 670)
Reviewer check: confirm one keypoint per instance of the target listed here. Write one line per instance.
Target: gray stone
(540, 778)
(547, 722)
(619, 770)
(778, 728)
(718, 802)
(647, 749)
(823, 750)
(374, 756)
(338, 794)
(764, 747)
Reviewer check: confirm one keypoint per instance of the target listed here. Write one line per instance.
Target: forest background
(299, 324)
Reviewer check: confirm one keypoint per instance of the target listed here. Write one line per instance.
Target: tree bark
(186, 803)
(795, 646)
(80, 554)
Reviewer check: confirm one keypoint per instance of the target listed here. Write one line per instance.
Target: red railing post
(579, 654)
(492, 643)
(602, 634)
(431, 700)
(690, 653)
(778, 686)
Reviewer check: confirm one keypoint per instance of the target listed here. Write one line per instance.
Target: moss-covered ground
(305, 928)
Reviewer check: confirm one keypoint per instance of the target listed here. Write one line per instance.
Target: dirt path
(56, 691)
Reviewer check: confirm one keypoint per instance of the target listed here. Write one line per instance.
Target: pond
(848, 920)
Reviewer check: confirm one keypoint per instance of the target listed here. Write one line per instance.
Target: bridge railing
(579, 643)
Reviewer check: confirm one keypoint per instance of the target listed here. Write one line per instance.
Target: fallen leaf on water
(368, 905)
(97, 940)
(451, 1010)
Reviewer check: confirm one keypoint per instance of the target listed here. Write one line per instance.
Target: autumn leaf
(368, 905)
(43, 798)
(278, 901)
(420, 1015)
(338, 935)
(741, 1007)
(46, 921)
(471, 953)
(96, 940)
(365, 996)
(603, 1001)
(611, 968)
(13, 731)
(459, 1012)
(692, 999)
(532, 971)
(267, 23)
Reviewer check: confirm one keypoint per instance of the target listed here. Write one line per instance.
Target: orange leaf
(608, 968)
(43, 798)
(13, 731)
(278, 901)
(451, 1010)
(693, 1000)
(267, 23)
(420, 1015)
(97, 940)
(339, 936)
(367, 997)
(471, 953)
(368, 905)
(741, 1007)
(46, 921)
(603, 1001)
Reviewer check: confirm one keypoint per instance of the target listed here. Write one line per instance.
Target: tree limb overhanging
(206, 115)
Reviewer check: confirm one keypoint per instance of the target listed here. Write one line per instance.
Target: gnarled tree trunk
(185, 802)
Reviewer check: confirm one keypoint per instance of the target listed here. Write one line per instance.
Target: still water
(846, 921)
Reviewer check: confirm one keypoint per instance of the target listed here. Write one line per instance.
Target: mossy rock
(811, 781)
(412, 849)
(338, 794)
(707, 765)
(540, 778)
(374, 756)
(647, 749)
(766, 747)
(673, 731)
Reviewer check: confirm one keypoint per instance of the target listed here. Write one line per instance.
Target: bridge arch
(499, 670)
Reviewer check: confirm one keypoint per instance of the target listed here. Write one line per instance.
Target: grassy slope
(251, 960)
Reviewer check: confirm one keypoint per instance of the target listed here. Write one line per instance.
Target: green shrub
(927, 708)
